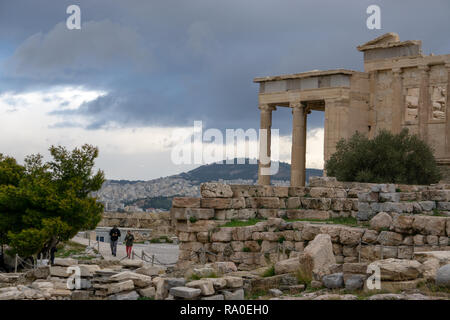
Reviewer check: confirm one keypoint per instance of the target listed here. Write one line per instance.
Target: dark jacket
(114, 234)
(129, 238)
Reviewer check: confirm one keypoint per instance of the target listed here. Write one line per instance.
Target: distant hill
(117, 195)
(247, 171)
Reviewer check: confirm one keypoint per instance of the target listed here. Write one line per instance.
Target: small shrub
(387, 158)
(193, 219)
(259, 241)
(270, 272)
(246, 249)
(281, 239)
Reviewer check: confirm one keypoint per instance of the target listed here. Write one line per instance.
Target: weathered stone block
(185, 292)
(429, 225)
(351, 236)
(185, 202)
(215, 190)
(298, 191)
(388, 238)
(381, 221)
(307, 214)
(389, 197)
(216, 203)
(223, 234)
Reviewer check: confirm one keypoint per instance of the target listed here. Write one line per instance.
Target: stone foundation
(198, 221)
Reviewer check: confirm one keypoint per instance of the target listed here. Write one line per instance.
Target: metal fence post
(153, 259)
(15, 267)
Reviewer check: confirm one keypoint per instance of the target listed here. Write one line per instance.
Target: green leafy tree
(44, 203)
(387, 158)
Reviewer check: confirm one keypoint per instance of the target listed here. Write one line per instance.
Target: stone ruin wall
(408, 225)
(159, 223)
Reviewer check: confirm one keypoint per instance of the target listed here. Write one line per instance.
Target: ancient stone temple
(399, 88)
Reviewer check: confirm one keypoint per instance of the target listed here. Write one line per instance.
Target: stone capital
(266, 107)
(397, 72)
(424, 68)
(296, 104)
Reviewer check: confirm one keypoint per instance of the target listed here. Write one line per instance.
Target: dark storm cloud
(173, 62)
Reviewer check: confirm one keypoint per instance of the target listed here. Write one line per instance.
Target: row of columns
(298, 152)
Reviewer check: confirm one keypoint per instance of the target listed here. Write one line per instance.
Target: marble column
(397, 101)
(447, 114)
(298, 153)
(424, 101)
(264, 144)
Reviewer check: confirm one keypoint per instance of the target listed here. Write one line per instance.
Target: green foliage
(270, 272)
(193, 219)
(246, 249)
(388, 158)
(281, 239)
(241, 223)
(44, 203)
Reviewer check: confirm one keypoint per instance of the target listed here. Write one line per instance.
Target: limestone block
(280, 191)
(206, 287)
(245, 214)
(267, 202)
(293, 203)
(398, 269)
(133, 295)
(381, 221)
(225, 267)
(403, 224)
(389, 197)
(139, 280)
(429, 225)
(65, 262)
(316, 203)
(351, 236)
(383, 188)
(223, 234)
(332, 230)
(120, 286)
(443, 205)
(370, 236)
(319, 192)
(128, 263)
(238, 203)
(233, 282)
(427, 205)
(243, 233)
(218, 283)
(388, 238)
(185, 202)
(267, 213)
(287, 266)
(235, 295)
(187, 236)
(432, 240)
(150, 270)
(307, 214)
(216, 203)
(298, 191)
(310, 231)
(198, 226)
(365, 211)
(240, 190)
(237, 246)
(215, 190)
(214, 297)
(319, 255)
(368, 196)
(148, 292)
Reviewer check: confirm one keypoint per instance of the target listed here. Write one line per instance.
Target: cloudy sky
(138, 71)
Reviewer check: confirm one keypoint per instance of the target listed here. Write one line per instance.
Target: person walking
(114, 235)
(129, 239)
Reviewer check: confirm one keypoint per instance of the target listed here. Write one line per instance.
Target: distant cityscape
(156, 195)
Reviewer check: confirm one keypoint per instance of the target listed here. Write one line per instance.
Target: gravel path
(165, 253)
